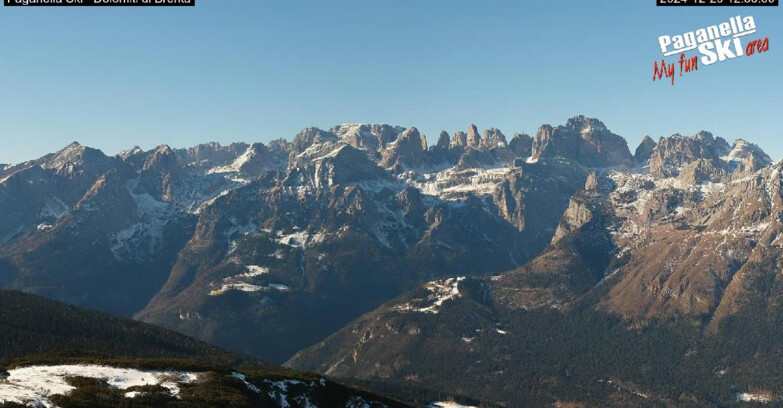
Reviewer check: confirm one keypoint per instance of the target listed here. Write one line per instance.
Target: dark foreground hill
(33, 326)
(39, 337)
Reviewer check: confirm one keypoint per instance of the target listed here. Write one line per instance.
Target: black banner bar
(105, 3)
(718, 3)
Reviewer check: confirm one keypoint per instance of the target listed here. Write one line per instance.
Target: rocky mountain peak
(474, 137)
(410, 134)
(310, 136)
(583, 140)
(644, 151)
(279, 144)
(76, 157)
(521, 145)
(673, 153)
(460, 139)
(584, 123)
(163, 150)
(408, 151)
(125, 154)
(493, 137)
(69, 154)
(443, 140)
(211, 154)
(746, 157)
(704, 136)
(161, 156)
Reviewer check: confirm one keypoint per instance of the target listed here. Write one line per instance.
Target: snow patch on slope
(749, 397)
(240, 282)
(297, 239)
(236, 165)
(359, 402)
(254, 270)
(53, 208)
(440, 291)
(34, 384)
(453, 184)
(251, 387)
(247, 287)
(446, 404)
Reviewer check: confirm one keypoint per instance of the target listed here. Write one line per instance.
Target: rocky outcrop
(474, 137)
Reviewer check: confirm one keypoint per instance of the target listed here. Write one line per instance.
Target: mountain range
(554, 269)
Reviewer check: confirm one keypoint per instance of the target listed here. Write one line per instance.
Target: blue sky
(256, 70)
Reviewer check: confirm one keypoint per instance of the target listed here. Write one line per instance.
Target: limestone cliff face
(576, 215)
(585, 206)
